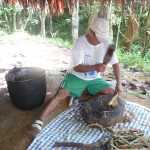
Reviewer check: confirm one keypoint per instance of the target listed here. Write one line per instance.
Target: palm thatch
(57, 6)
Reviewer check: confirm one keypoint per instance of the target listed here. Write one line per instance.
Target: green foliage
(139, 94)
(32, 21)
(58, 30)
(86, 11)
(62, 27)
(60, 42)
(133, 59)
(83, 21)
(25, 19)
(6, 18)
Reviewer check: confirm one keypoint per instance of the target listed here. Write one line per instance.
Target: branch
(92, 146)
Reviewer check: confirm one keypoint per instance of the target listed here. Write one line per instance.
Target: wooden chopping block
(97, 111)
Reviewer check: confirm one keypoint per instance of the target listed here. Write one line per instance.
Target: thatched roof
(57, 6)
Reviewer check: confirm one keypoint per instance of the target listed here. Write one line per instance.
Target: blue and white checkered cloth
(69, 127)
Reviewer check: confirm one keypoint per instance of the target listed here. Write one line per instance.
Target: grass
(60, 42)
(138, 94)
(133, 59)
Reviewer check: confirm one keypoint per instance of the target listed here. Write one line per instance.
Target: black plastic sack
(26, 87)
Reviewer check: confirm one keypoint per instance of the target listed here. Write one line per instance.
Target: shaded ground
(25, 51)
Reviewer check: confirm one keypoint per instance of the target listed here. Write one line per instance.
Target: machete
(109, 53)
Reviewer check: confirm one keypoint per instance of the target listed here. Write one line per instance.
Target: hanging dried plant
(61, 6)
(84, 2)
(42, 4)
(132, 28)
(34, 3)
(70, 6)
(11, 1)
(117, 2)
(25, 4)
(57, 6)
(20, 2)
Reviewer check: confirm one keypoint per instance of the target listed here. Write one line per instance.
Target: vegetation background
(130, 30)
(134, 53)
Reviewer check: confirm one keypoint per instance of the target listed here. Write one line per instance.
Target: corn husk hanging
(132, 29)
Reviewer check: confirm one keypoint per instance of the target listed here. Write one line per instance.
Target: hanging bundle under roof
(57, 6)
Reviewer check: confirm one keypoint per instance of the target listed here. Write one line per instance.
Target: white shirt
(85, 53)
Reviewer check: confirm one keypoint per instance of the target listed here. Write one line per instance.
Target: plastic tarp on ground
(69, 127)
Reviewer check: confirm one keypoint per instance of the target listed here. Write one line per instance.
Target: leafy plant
(133, 59)
(139, 94)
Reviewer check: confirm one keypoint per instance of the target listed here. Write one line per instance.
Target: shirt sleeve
(77, 54)
(114, 59)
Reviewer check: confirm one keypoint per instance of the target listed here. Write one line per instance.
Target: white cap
(101, 28)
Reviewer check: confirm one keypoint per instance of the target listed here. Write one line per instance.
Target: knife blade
(109, 53)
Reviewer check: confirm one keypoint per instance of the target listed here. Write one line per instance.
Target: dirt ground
(21, 50)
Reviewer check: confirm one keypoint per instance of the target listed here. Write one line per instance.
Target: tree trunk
(75, 20)
(103, 11)
(6, 19)
(147, 36)
(51, 27)
(14, 18)
(109, 18)
(26, 20)
(118, 33)
(42, 18)
(91, 19)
